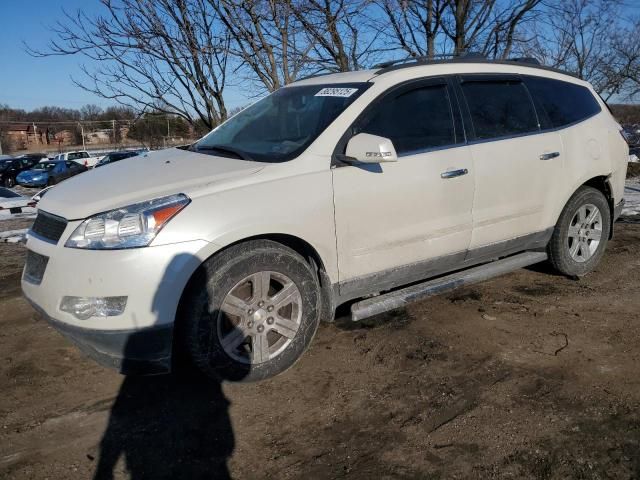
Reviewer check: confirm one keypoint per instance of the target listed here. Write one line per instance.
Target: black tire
(559, 246)
(9, 182)
(200, 323)
(51, 182)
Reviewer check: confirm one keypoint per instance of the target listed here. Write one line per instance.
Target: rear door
(517, 166)
(396, 222)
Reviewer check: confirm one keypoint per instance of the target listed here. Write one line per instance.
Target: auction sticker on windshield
(336, 92)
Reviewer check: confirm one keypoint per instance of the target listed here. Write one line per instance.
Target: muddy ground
(530, 375)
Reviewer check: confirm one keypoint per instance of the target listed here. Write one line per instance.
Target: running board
(399, 298)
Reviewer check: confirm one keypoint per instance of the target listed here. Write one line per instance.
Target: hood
(141, 178)
(32, 173)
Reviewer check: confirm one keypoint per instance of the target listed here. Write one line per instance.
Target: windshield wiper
(225, 149)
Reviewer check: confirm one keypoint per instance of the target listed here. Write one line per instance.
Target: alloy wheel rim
(259, 317)
(584, 233)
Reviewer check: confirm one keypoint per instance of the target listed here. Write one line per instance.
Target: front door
(399, 222)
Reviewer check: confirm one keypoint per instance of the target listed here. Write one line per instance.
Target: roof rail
(314, 75)
(422, 59)
(465, 58)
(531, 60)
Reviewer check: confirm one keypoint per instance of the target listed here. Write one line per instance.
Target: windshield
(45, 166)
(281, 126)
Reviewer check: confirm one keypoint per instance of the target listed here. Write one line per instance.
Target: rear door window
(561, 103)
(415, 119)
(499, 108)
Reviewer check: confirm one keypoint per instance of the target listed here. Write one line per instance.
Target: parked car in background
(11, 167)
(116, 157)
(11, 203)
(49, 173)
(33, 157)
(82, 157)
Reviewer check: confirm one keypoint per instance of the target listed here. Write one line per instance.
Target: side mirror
(367, 148)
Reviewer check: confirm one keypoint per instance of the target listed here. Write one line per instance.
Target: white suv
(335, 188)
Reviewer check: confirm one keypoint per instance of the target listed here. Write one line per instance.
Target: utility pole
(113, 124)
(82, 133)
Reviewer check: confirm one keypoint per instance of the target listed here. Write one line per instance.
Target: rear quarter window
(499, 108)
(561, 103)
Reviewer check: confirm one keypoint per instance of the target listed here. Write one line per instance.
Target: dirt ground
(530, 375)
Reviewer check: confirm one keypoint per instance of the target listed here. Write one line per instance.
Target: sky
(27, 82)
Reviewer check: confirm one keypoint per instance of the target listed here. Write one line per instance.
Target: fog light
(86, 307)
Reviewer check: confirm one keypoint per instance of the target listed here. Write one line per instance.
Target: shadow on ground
(168, 426)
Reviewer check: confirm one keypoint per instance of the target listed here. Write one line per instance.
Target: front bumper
(145, 351)
(152, 278)
(32, 183)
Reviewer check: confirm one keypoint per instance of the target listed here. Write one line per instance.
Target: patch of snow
(27, 212)
(633, 158)
(14, 236)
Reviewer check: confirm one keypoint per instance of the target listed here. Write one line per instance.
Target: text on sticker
(336, 92)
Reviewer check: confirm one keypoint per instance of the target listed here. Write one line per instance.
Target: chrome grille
(49, 226)
(35, 267)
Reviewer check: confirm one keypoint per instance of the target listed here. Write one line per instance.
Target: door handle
(454, 173)
(549, 156)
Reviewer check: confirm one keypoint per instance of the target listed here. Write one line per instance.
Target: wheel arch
(602, 183)
(313, 257)
(299, 245)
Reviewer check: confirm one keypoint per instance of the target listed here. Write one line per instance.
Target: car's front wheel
(252, 312)
(9, 182)
(581, 234)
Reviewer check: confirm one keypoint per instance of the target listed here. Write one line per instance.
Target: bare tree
(337, 33)
(428, 27)
(90, 112)
(415, 24)
(591, 39)
(488, 26)
(161, 55)
(266, 37)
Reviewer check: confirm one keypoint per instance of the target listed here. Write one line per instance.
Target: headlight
(127, 227)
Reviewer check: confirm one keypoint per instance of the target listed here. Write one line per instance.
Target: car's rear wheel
(252, 313)
(581, 234)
